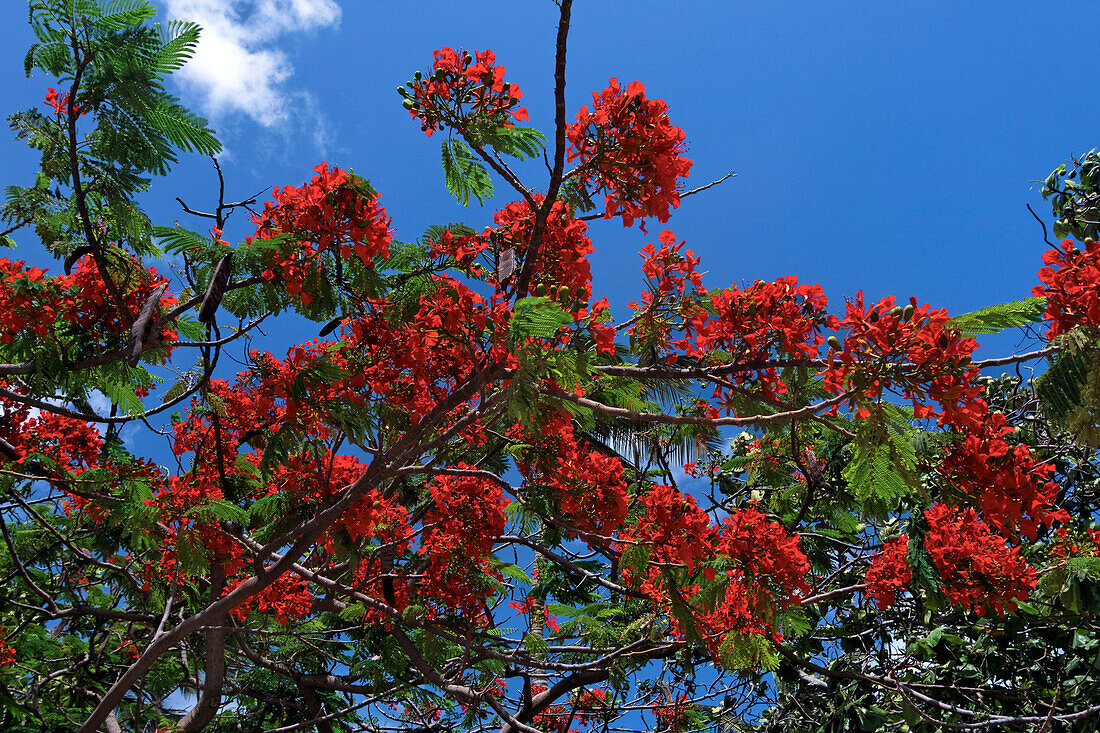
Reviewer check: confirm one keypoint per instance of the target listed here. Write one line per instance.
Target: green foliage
(537, 317)
(747, 651)
(465, 175)
(883, 466)
(1074, 195)
(1070, 391)
(518, 142)
(997, 318)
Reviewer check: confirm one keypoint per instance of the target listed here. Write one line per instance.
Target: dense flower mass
(77, 308)
(1071, 286)
(885, 335)
(979, 571)
(466, 92)
(334, 212)
(467, 517)
(889, 572)
(629, 151)
(1012, 490)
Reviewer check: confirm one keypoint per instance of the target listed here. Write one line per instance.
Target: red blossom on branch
(629, 151)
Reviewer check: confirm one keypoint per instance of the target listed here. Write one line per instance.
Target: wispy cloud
(238, 67)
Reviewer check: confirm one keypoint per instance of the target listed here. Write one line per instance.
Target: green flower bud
(834, 343)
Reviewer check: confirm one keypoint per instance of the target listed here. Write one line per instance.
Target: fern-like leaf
(465, 175)
(997, 318)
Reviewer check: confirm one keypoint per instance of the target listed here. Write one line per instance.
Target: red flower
(629, 151)
(889, 572)
(1071, 285)
(464, 92)
(60, 103)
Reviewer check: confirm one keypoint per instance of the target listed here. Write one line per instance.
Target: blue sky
(889, 147)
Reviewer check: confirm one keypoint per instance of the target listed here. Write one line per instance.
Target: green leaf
(535, 644)
(465, 175)
(1069, 392)
(518, 142)
(538, 317)
(884, 466)
(997, 318)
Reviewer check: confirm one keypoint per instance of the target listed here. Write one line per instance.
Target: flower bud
(834, 343)
(907, 312)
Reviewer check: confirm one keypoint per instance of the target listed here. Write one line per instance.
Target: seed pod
(139, 330)
(834, 343)
(215, 290)
(75, 255)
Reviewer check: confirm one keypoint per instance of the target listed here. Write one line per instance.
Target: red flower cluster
(881, 337)
(33, 306)
(561, 270)
(1078, 544)
(1071, 285)
(7, 654)
(288, 599)
(762, 322)
(71, 445)
(21, 303)
(589, 486)
(335, 212)
(60, 103)
(464, 92)
(767, 554)
(1012, 490)
(629, 151)
(674, 529)
(977, 569)
(889, 572)
(666, 302)
(462, 526)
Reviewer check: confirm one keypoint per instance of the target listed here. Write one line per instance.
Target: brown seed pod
(140, 329)
(215, 290)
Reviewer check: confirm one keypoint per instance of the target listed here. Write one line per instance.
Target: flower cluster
(1071, 285)
(1077, 544)
(464, 92)
(889, 572)
(334, 212)
(34, 306)
(60, 103)
(464, 522)
(978, 570)
(287, 599)
(1012, 490)
(7, 653)
(885, 335)
(763, 321)
(561, 269)
(768, 554)
(588, 486)
(673, 527)
(629, 151)
(68, 444)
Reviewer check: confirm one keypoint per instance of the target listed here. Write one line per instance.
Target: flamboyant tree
(457, 509)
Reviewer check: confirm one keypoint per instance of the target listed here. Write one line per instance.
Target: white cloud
(238, 67)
